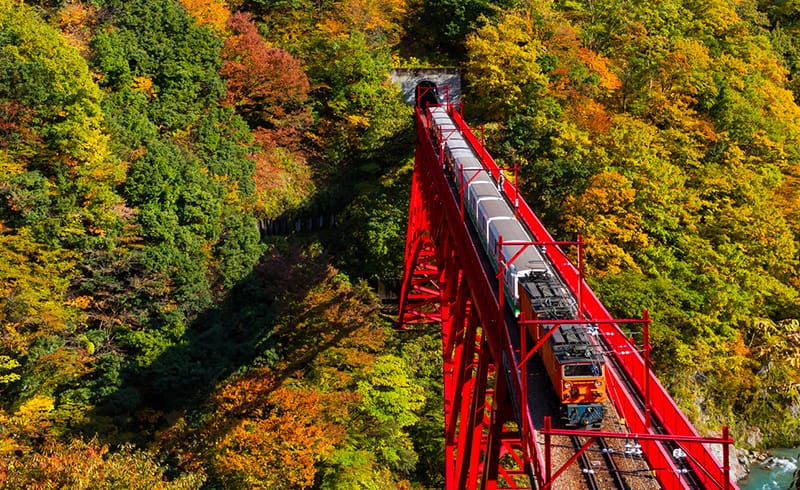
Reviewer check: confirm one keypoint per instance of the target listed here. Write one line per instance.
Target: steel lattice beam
(487, 444)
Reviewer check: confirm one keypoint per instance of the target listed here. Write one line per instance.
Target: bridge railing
(664, 408)
(487, 305)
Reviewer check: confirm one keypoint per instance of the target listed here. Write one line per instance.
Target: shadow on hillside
(236, 334)
(241, 332)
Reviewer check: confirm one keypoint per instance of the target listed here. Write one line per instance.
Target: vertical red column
(419, 295)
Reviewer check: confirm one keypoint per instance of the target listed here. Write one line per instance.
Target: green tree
(358, 111)
(58, 174)
(438, 28)
(189, 199)
(504, 66)
(392, 399)
(58, 204)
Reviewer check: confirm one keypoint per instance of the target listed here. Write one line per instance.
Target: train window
(582, 370)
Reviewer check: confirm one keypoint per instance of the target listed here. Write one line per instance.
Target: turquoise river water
(777, 473)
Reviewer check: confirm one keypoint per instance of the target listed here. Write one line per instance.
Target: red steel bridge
(495, 433)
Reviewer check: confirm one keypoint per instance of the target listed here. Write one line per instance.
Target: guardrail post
(525, 414)
(547, 455)
(726, 467)
(647, 366)
(580, 277)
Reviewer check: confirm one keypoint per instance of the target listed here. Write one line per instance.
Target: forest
(152, 335)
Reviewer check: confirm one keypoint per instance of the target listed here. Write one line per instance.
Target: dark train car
(427, 94)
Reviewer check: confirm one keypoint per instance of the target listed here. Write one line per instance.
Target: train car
(577, 375)
(574, 365)
(485, 205)
(573, 362)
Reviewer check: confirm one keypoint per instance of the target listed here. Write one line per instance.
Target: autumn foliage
(272, 436)
(663, 133)
(153, 335)
(90, 464)
(333, 409)
(214, 13)
(265, 84)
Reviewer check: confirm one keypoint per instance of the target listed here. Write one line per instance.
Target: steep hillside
(153, 335)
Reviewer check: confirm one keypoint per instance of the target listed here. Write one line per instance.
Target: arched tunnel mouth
(427, 94)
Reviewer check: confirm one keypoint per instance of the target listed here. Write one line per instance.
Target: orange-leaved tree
(265, 84)
(268, 88)
(90, 464)
(271, 436)
(213, 13)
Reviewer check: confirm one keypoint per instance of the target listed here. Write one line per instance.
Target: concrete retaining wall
(409, 78)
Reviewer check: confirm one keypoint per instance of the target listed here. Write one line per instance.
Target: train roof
(483, 188)
(511, 230)
(499, 208)
(457, 141)
(571, 345)
(467, 173)
(549, 298)
(440, 116)
(465, 156)
(470, 163)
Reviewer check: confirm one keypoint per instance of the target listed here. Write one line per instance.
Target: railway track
(594, 476)
(614, 464)
(685, 469)
(605, 473)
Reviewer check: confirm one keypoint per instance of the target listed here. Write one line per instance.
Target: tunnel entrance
(427, 94)
(414, 82)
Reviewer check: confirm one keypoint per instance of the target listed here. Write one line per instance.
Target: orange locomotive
(573, 362)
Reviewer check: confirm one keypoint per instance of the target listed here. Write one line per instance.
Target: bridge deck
(447, 280)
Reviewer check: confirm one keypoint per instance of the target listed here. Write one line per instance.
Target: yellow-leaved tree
(503, 66)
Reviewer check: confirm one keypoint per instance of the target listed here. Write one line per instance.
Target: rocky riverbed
(776, 469)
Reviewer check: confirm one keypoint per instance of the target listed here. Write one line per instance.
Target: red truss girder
(421, 293)
(445, 283)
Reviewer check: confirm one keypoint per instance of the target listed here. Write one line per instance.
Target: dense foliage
(152, 337)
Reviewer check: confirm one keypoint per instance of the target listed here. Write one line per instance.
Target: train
(574, 363)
